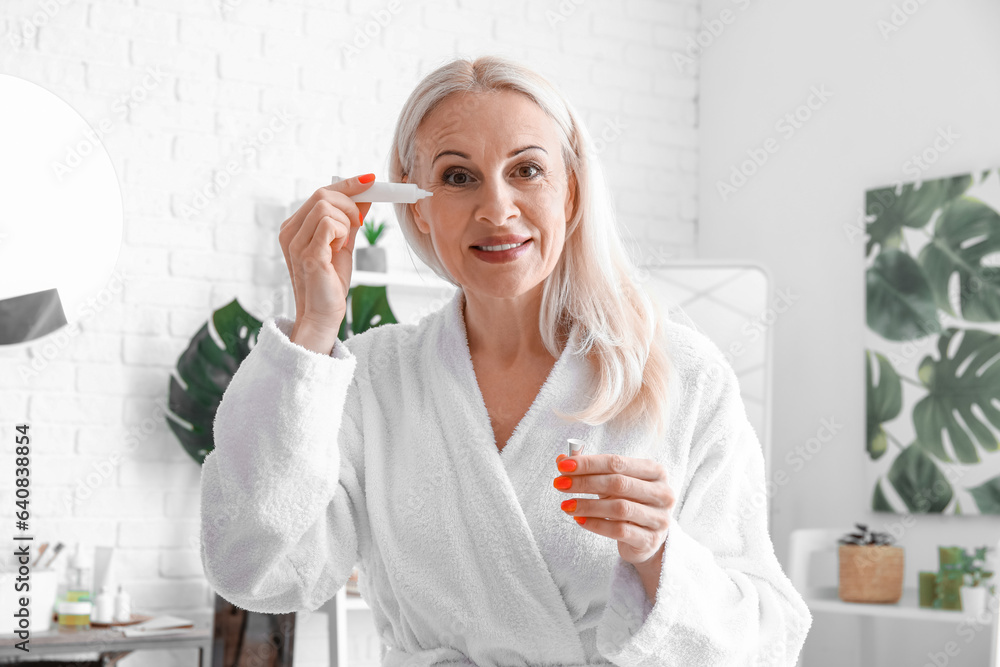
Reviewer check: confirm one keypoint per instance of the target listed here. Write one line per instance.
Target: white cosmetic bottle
(104, 610)
(392, 193)
(123, 606)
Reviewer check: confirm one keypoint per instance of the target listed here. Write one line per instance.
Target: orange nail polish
(581, 519)
(367, 178)
(569, 505)
(567, 466)
(560, 457)
(562, 483)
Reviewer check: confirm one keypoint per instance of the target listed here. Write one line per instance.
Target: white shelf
(908, 606)
(807, 542)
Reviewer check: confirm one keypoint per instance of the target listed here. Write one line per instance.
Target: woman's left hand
(634, 501)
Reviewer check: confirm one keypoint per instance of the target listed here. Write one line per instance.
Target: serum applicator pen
(393, 193)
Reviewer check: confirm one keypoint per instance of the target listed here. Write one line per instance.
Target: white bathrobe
(381, 455)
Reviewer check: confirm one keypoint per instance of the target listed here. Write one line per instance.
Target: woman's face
(488, 191)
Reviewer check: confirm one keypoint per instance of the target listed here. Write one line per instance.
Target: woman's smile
(509, 253)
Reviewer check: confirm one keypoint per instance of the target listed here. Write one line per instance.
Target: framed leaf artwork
(932, 357)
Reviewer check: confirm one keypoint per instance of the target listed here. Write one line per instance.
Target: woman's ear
(417, 218)
(571, 186)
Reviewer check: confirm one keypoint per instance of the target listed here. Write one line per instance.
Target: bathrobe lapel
(485, 475)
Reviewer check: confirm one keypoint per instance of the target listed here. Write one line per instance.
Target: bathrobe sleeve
(280, 491)
(723, 599)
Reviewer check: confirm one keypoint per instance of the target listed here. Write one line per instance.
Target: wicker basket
(870, 573)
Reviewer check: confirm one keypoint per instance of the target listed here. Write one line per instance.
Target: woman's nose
(498, 201)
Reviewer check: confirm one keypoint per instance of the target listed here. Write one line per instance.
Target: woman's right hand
(318, 243)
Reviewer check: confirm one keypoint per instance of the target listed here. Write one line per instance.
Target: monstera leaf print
(884, 401)
(987, 496)
(900, 302)
(917, 481)
(967, 231)
(955, 385)
(912, 207)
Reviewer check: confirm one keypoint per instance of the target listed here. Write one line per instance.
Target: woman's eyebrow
(516, 151)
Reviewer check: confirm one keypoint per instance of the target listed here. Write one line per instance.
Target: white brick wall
(190, 88)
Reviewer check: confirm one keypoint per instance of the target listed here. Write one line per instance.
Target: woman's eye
(454, 173)
(531, 166)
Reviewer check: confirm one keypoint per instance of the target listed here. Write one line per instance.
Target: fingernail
(581, 519)
(367, 178)
(566, 466)
(569, 505)
(560, 458)
(562, 483)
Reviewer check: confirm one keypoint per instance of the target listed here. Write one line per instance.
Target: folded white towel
(382, 454)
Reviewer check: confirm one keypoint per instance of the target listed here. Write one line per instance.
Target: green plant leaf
(206, 370)
(369, 308)
(950, 252)
(344, 327)
(900, 304)
(987, 497)
(950, 393)
(884, 402)
(372, 232)
(879, 502)
(919, 482)
(911, 208)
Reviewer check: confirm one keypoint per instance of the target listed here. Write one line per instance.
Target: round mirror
(60, 215)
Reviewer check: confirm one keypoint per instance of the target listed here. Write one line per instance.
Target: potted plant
(973, 592)
(871, 568)
(371, 258)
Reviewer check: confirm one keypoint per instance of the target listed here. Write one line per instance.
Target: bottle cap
(576, 447)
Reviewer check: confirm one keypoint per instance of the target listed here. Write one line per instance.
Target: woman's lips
(502, 256)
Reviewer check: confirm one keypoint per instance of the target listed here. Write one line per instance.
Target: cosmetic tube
(392, 193)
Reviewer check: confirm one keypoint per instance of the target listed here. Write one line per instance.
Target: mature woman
(433, 455)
